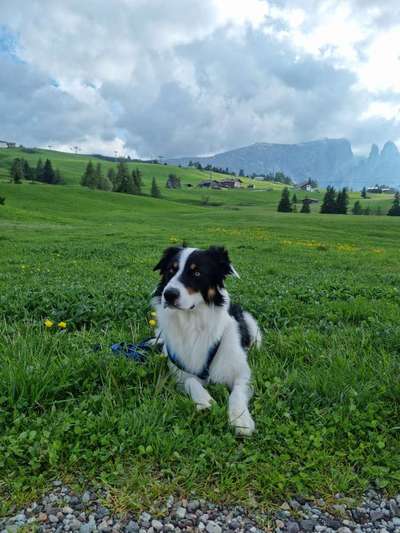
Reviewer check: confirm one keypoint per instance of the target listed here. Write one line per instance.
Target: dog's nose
(171, 295)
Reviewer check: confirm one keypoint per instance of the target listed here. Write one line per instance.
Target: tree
(329, 201)
(173, 182)
(284, 205)
(29, 172)
(137, 181)
(155, 190)
(17, 171)
(48, 175)
(89, 177)
(111, 175)
(2, 200)
(394, 211)
(294, 199)
(364, 192)
(305, 208)
(357, 209)
(241, 173)
(39, 170)
(104, 184)
(122, 178)
(342, 202)
(367, 210)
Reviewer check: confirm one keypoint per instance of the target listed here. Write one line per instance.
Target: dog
(204, 335)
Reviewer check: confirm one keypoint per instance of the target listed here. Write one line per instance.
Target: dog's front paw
(244, 425)
(205, 404)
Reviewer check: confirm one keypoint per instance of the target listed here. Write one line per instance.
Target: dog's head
(190, 276)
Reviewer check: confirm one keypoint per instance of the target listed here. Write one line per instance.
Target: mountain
(329, 161)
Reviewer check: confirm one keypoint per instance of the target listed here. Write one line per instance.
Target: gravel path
(64, 510)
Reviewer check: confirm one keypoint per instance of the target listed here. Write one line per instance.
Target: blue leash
(138, 352)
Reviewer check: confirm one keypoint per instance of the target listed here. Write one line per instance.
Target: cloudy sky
(187, 77)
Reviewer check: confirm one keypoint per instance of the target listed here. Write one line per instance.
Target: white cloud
(182, 77)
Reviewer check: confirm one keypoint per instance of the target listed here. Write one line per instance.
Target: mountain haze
(329, 161)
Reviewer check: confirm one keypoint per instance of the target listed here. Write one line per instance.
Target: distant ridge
(329, 161)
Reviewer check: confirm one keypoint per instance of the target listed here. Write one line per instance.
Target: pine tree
(137, 181)
(357, 209)
(89, 177)
(306, 206)
(122, 178)
(342, 202)
(39, 170)
(394, 211)
(48, 175)
(364, 192)
(28, 171)
(329, 201)
(284, 205)
(155, 190)
(17, 171)
(294, 199)
(111, 175)
(138, 177)
(98, 176)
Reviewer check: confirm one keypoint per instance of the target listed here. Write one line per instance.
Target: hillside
(323, 288)
(265, 196)
(72, 166)
(328, 161)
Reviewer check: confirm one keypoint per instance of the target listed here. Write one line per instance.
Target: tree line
(44, 173)
(334, 203)
(117, 180)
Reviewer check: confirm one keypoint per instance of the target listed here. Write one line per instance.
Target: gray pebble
(292, 527)
(308, 525)
(212, 527)
(132, 527)
(157, 525)
(180, 512)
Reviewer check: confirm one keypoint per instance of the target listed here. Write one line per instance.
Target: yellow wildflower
(48, 323)
(153, 313)
(62, 325)
(152, 322)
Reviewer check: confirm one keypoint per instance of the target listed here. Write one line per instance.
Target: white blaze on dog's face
(191, 277)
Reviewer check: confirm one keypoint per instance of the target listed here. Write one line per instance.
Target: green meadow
(325, 289)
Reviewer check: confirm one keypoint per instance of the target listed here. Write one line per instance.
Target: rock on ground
(64, 510)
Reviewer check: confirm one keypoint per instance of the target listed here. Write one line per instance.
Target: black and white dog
(205, 336)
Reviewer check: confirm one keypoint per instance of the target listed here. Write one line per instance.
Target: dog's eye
(197, 274)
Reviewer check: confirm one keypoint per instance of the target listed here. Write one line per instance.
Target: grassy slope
(326, 403)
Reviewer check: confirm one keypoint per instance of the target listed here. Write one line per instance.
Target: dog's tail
(254, 330)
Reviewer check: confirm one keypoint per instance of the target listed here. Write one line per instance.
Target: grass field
(327, 390)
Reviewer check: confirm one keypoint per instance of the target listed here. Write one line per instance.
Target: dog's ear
(166, 257)
(221, 257)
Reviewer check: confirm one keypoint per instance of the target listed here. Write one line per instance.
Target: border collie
(205, 336)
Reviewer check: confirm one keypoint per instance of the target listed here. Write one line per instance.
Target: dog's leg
(198, 393)
(239, 415)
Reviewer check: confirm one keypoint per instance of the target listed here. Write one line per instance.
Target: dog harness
(205, 372)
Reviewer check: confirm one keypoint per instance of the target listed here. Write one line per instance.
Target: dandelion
(48, 323)
(62, 325)
(152, 322)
